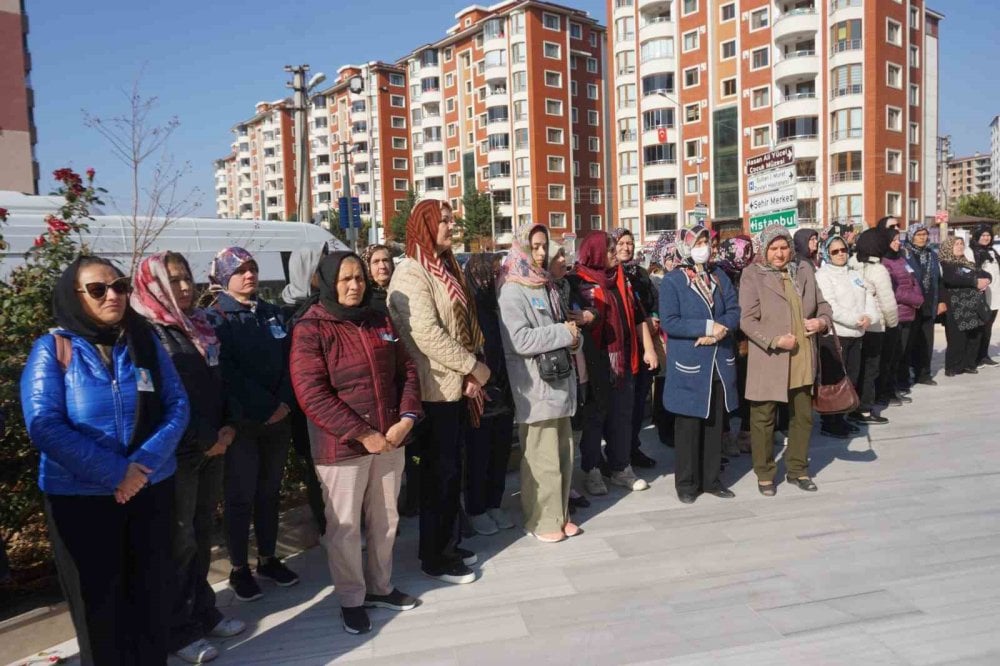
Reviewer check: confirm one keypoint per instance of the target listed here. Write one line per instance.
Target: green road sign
(787, 218)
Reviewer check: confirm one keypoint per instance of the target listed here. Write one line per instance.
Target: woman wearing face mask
(360, 392)
(433, 310)
(700, 310)
(964, 292)
(254, 363)
(854, 311)
(164, 295)
(923, 260)
(782, 311)
(909, 299)
(647, 296)
(988, 261)
(107, 480)
(532, 322)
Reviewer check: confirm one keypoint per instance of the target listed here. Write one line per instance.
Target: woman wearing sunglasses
(104, 405)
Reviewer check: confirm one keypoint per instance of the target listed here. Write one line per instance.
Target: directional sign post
(786, 218)
(771, 185)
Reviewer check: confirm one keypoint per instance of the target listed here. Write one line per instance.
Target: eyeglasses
(834, 253)
(99, 290)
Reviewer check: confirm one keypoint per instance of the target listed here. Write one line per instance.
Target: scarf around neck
(520, 268)
(329, 274)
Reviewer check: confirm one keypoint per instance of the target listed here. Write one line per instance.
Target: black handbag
(555, 365)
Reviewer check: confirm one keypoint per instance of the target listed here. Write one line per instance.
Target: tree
(982, 204)
(139, 143)
(479, 210)
(397, 223)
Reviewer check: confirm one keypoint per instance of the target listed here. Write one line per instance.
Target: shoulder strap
(64, 350)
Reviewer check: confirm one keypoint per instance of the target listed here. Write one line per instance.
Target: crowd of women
(149, 410)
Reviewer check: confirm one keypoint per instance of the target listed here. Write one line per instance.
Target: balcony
(845, 176)
(629, 203)
(795, 23)
(651, 135)
(660, 169)
(847, 139)
(497, 97)
(796, 66)
(841, 10)
(624, 7)
(844, 46)
(433, 170)
(427, 71)
(627, 136)
(496, 71)
(806, 145)
(660, 203)
(359, 116)
(656, 27)
(799, 104)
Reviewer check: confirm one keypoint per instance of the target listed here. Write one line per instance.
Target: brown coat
(766, 315)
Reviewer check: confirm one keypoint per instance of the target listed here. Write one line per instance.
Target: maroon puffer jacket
(350, 378)
(909, 296)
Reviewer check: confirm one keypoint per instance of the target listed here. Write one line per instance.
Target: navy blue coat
(683, 315)
(931, 297)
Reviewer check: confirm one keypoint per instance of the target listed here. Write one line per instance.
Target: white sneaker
(627, 479)
(594, 483)
(228, 627)
(198, 652)
(483, 524)
(501, 518)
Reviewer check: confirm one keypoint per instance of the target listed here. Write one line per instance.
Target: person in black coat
(963, 289)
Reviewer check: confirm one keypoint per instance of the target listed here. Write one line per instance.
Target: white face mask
(701, 254)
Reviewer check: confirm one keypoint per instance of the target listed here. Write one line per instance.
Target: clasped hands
(718, 333)
(788, 342)
(376, 442)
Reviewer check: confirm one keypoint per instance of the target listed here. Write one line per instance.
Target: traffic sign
(770, 202)
(354, 209)
(772, 160)
(786, 218)
(770, 180)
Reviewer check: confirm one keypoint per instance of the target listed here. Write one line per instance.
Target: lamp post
(300, 90)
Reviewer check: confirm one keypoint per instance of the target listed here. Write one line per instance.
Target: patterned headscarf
(632, 266)
(521, 269)
(686, 243)
(664, 249)
(946, 253)
(225, 264)
(366, 260)
(735, 254)
(824, 248)
(698, 275)
(923, 254)
(153, 298)
(421, 245)
(763, 240)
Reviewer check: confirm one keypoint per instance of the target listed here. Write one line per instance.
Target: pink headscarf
(519, 267)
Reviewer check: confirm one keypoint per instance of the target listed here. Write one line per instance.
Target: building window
(914, 210)
(690, 7)
(575, 31)
(592, 91)
(729, 87)
(594, 144)
(893, 161)
(592, 65)
(914, 171)
(553, 107)
(397, 101)
(399, 122)
(553, 135)
(593, 118)
(551, 50)
(914, 56)
(691, 184)
(760, 97)
(760, 58)
(452, 155)
(893, 32)
(399, 143)
(399, 163)
(595, 195)
(556, 164)
(595, 170)
(661, 47)
(759, 19)
(692, 113)
(893, 203)
(557, 220)
(595, 223)
(397, 80)
(914, 94)
(761, 136)
(914, 133)
(692, 148)
(728, 12)
(554, 79)
(550, 21)
(692, 77)
(690, 41)
(557, 192)
(893, 75)
(894, 118)
(729, 49)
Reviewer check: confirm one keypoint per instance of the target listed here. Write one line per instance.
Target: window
(659, 153)
(894, 118)
(729, 49)
(517, 52)
(551, 50)
(914, 56)
(557, 192)
(575, 31)
(449, 80)
(692, 113)
(692, 76)
(655, 83)
(517, 23)
(452, 129)
(399, 184)
(657, 118)
(595, 170)
(803, 127)
(761, 137)
(728, 12)
(914, 133)
(759, 19)
(914, 209)
(553, 79)
(915, 18)
(593, 39)
(914, 94)
(914, 171)
(593, 144)
(553, 135)
(893, 161)
(893, 75)
(557, 220)
(592, 65)
(397, 80)
(893, 32)
(553, 107)
(760, 98)
(846, 36)
(893, 202)
(575, 142)
(692, 149)
(520, 138)
(399, 143)
(449, 104)
(399, 163)
(593, 119)
(453, 180)
(399, 122)
(556, 164)
(691, 41)
(550, 21)
(452, 155)
(595, 195)
(662, 47)
(592, 91)
(760, 58)
(846, 124)
(729, 87)
(397, 101)
(595, 222)
(846, 80)
(519, 81)
(690, 7)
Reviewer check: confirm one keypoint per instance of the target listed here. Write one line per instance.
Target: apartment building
(700, 86)
(995, 157)
(225, 187)
(18, 167)
(969, 175)
(510, 101)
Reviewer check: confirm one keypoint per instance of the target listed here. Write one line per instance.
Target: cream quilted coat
(421, 311)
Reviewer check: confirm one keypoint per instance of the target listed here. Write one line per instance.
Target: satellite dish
(356, 84)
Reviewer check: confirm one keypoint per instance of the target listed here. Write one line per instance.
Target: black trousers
(984, 342)
(304, 464)
(441, 479)
(871, 358)
(922, 342)
(198, 490)
(698, 446)
(255, 465)
(892, 352)
(963, 346)
(662, 419)
(614, 426)
(487, 453)
(115, 570)
(643, 382)
(850, 350)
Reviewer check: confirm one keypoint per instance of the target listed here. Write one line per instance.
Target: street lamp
(300, 90)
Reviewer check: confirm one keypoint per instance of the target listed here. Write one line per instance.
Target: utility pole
(493, 218)
(298, 86)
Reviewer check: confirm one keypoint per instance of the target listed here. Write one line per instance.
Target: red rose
(3, 214)
(91, 173)
(56, 225)
(40, 241)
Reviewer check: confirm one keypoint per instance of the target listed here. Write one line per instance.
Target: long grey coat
(528, 329)
(766, 315)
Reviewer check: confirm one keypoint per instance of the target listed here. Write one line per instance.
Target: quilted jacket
(849, 297)
(909, 296)
(82, 419)
(422, 313)
(877, 276)
(350, 378)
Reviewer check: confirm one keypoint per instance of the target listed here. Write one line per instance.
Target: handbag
(839, 398)
(554, 365)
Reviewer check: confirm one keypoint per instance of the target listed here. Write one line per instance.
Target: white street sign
(768, 181)
(786, 199)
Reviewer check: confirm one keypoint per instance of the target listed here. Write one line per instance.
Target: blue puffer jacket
(81, 419)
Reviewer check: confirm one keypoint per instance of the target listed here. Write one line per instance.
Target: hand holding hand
(136, 477)
(481, 373)
(864, 323)
(398, 433)
(471, 387)
(225, 438)
(705, 341)
(574, 331)
(281, 412)
(814, 325)
(786, 342)
(719, 331)
(374, 442)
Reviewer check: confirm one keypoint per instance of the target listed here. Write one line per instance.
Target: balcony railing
(657, 91)
(843, 4)
(853, 89)
(845, 176)
(840, 135)
(798, 137)
(653, 128)
(628, 171)
(627, 135)
(665, 160)
(801, 11)
(845, 45)
(801, 53)
(630, 203)
(797, 96)
(663, 196)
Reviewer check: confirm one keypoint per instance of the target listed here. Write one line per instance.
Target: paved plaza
(896, 560)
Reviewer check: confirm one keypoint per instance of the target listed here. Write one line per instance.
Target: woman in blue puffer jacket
(104, 405)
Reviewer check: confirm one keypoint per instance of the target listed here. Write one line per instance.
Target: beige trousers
(546, 474)
(370, 484)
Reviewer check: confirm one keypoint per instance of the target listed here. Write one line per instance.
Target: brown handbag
(839, 398)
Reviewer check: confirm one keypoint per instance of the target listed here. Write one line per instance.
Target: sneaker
(356, 620)
(244, 584)
(594, 483)
(988, 362)
(868, 419)
(228, 627)
(483, 524)
(395, 600)
(926, 381)
(198, 652)
(275, 570)
(501, 518)
(640, 459)
(627, 479)
(453, 572)
(467, 556)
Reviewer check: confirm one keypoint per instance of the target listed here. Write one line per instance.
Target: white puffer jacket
(846, 292)
(877, 276)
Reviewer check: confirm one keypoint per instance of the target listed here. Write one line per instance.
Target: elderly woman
(254, 363)
(104, 405)
(781, 311)
(923, 261)
(909, 299)
(699, 312)
(360, 392)
(164, 295)
(538, 342)
(963, 288)
(378, 265)
(435, 314)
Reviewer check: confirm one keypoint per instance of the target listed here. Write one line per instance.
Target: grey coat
(528, 328)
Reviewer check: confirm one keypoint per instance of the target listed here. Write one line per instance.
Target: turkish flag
(661, 134)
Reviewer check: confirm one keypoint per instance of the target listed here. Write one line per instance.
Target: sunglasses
(834, 253)
(99, 290)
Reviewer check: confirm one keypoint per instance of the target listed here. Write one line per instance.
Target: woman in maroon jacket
(909, 298)
(360, 392)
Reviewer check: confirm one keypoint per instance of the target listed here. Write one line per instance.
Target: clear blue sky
(208, 62)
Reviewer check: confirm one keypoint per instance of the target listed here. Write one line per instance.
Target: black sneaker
(988, 362)
(640, 459)
(244, 584)
(453, 572)
(926, 381)
(871, 419)
(356, 620)
(275, 570)
(467, 557)
(395, 600)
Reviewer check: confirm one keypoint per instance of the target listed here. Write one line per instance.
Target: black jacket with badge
(966, 304)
